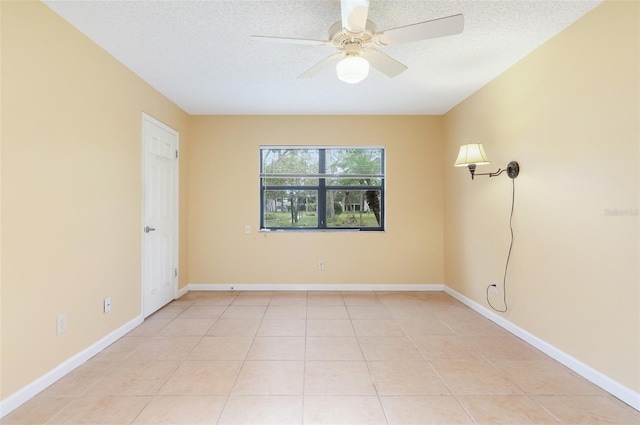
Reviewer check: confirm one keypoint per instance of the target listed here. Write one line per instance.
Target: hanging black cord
(506, 266)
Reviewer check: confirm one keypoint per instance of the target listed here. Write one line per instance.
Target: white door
(160, 215)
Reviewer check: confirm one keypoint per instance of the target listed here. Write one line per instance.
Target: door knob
(148, 229)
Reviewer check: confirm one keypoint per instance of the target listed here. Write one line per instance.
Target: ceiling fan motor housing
(346, 40)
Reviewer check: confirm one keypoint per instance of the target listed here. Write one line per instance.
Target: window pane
(354, 161)
(290, 208)
(353, 208)
(290, 161)
(320, 187)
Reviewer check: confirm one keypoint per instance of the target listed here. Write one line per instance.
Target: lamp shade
(473, 153)
(352, 69)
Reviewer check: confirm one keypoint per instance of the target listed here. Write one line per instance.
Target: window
(321, 188)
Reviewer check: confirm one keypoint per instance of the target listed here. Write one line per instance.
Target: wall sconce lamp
(473, 154)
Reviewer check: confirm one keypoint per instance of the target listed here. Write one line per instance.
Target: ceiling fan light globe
(352, 69)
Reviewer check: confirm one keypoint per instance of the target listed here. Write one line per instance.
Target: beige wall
(224, 197)
(569, 113)
(71, 190)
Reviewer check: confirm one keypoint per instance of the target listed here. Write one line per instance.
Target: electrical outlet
(61, 323)
(247, 229)
(320, 265)
(107, 304)
(494, 288)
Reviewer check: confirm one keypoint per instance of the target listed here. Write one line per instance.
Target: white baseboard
(613, 387)
(312, 287)
(23, 395)
(182, 291)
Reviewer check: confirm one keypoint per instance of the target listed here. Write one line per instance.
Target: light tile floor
(321, 358)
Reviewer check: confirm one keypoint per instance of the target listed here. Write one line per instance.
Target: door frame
(175, 204)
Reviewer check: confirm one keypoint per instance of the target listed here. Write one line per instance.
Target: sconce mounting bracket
(513, 169)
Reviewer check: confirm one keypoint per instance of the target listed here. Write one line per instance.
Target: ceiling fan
(355, 37)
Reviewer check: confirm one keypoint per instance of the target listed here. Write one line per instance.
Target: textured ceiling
(199, 55)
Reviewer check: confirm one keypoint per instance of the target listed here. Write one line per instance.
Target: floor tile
(399, 299)
(121, 349)
(337, 378)
(277, 348)
(165, 348)
(168, 312)
(453, 311)
(475, 326)
(187, 327)
(221, 348)
(406, 378)
(282, 327)
(270, 378)
(385, 327)
(587, 410)
(192, 296)
(333, 348)
(330, 312)
(324, 298)
(289, 298)
(392, 348)
(504, 348)
(425, 327)
(202, 312)
(415, 312)
(465, 377)
(136, 377)
(423, 410)
(360, 298)
(38, 410)
(107, 410)
(506, 410)
(150, 327)
(244, 312)
(372, 312)
(80, 380)
(176, 410)
(341, 410)
(325, 327)
(186, 299)
(262, 410)
(286, 312)
(253, 298)
(445, 348)
(202, 378)
(214, 298)
(234, 327)
(546, 377)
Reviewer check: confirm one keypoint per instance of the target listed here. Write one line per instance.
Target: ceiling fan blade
(421, 31)
(288, 40)
(324, 63)
(384, 63)
(354, 15)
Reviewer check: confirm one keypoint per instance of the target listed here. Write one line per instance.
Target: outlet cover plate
(61, 323)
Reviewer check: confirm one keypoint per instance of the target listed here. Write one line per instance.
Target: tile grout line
(375, 387)
(304, 355)
(235, 380)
